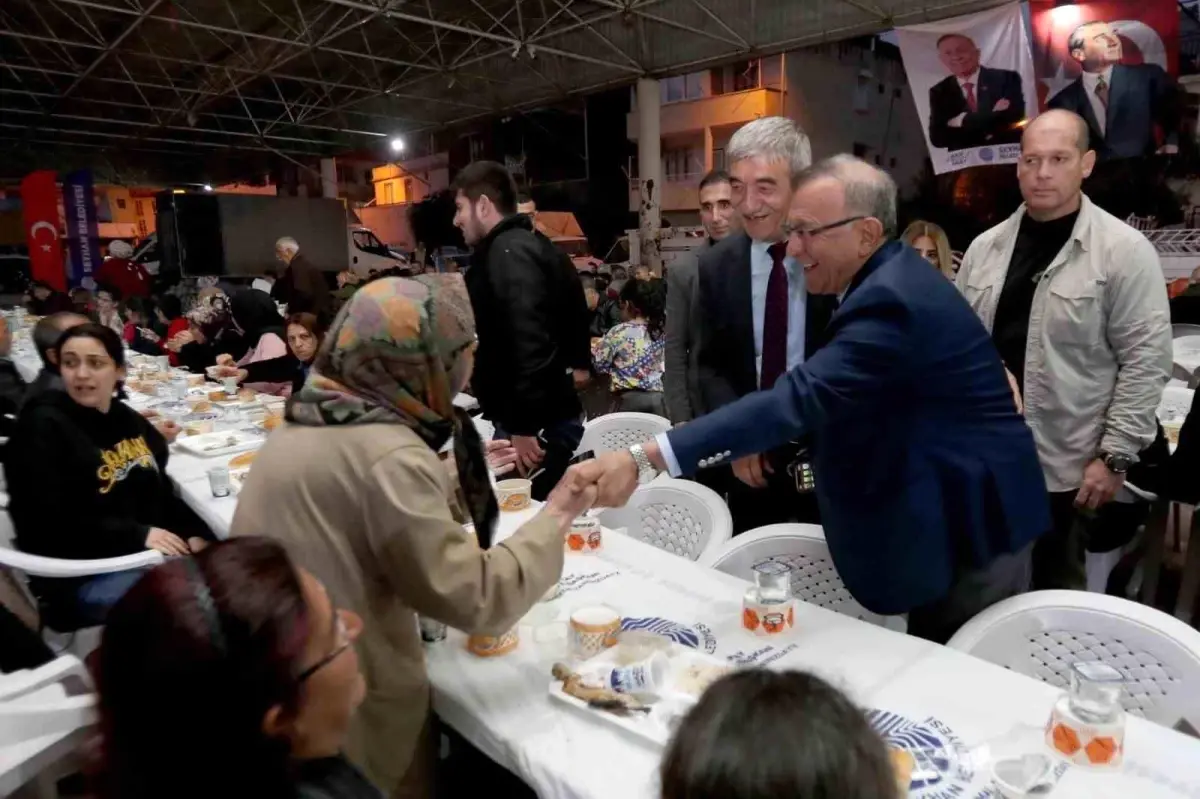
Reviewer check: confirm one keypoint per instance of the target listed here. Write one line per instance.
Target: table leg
(1190, 581)
(1156, 535)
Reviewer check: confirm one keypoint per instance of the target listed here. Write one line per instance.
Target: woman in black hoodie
(87, 479)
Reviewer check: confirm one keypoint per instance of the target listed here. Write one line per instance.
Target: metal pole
(649, 173)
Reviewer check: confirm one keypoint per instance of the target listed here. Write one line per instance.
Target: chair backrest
(617, 431)
(814, 578)
(679, 516)
(1182, 330)
(1041, 634)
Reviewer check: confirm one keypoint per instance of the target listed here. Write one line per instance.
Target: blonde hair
(941, 243)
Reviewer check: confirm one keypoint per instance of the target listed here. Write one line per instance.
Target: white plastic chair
(45, 714)
(814, 577)
(617, 431)
(1041, 634)
(79, 642)
(679, 516)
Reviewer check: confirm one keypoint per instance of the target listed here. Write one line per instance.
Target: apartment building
(849, 97)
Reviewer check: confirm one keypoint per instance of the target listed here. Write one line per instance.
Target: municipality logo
(696, 636)
(940, 767)
(987, 155)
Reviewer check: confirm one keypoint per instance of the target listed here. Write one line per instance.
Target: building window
(408, 190)
(862, 97)
(681, 87)
(745, 76)
(368, 177)
(139, 207)
(860, 150)
(892, 163)
(121, 203)
(389, 192)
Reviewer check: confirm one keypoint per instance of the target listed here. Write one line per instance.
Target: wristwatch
(646, 470)
(1117, 464)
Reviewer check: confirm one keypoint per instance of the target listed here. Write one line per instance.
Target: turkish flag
(39, 198)
(1148, 30)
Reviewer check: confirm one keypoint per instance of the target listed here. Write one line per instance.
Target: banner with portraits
(973, 82)
(1113, 62)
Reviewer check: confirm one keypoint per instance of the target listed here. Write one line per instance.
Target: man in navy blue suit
(927, 477)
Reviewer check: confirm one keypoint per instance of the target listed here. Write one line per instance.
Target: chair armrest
(39, 566)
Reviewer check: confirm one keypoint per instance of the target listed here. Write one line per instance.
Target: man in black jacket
(526, 314)
(302, 287)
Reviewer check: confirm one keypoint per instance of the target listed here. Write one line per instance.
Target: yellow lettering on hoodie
(123, 458)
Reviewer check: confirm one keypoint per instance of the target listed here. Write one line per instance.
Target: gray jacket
(1099, 349)
(681, 380)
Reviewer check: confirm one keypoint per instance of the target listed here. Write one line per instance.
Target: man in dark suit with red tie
(755, 318)
(975, 105)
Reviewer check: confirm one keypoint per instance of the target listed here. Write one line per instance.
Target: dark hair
(714, 177)
(224, 632)
(171, 306)
(310, 322)
(649, 299)
(759, 734)
(141, 307)
(946, 36)
(491, 180)
(97, 332)
(524, 197)
(49, 330)
(111, 291)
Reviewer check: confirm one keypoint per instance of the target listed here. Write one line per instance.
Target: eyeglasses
(344, 642)
(809, 233)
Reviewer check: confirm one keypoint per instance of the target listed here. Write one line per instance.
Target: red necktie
(775, 319)
(972, 103)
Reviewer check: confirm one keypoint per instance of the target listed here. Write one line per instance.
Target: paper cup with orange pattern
(593, 629)
(584, 537)
(1095, 745)
(490, 646)
(514, 495)
(767, 620)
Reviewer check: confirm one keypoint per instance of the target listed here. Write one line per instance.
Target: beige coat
(371, 511)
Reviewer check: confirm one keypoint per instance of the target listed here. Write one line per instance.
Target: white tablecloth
(502, 707)
(1187, 353)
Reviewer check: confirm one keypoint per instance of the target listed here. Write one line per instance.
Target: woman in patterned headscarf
(352, 483)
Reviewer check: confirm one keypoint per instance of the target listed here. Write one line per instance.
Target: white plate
(656, 726)
(212, 445)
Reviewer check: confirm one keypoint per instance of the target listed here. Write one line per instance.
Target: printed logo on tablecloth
(576, 582)
(940, 768)
(696, 636)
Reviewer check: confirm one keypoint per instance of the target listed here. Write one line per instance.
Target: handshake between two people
(606, 481)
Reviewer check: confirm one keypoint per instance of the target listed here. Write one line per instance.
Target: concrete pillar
(329, 181)
(709, 155)
(649, 173)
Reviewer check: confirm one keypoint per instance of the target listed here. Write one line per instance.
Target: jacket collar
(881, 256)
(1080, 234)
(507, 223)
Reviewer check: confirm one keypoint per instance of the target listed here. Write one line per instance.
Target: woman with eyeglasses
(262, 675)
(87, 479)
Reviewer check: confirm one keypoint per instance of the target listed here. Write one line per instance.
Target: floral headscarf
(396, 354)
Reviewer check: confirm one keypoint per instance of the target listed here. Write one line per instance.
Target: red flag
(39, 198)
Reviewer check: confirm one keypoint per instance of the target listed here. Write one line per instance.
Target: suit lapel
(742, 312)
(1117, 86)
(1083, 104)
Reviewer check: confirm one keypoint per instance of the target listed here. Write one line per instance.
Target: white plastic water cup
(231, 385)
(218, 481)
(647, 676)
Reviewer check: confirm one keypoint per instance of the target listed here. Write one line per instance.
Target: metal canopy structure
(305, 78)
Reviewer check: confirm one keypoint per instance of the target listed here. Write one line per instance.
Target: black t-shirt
(1037, 245)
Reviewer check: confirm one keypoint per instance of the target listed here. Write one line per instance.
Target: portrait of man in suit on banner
(1131, 109)
(973, 84)
(975, 105)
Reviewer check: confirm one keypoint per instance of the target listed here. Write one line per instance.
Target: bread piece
(902, 764)
(247, 395)
(217, 396)
(202, 406)
(271, 422)
(242, 461)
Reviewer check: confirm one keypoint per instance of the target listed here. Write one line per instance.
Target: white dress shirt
(972, 79)
(760, 277)
(1090, 79)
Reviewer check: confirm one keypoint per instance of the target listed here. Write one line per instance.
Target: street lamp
(397, 144)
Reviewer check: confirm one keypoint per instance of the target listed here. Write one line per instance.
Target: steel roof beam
(112, 45)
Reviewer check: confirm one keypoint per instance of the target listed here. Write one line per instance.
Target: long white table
(502, 707)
